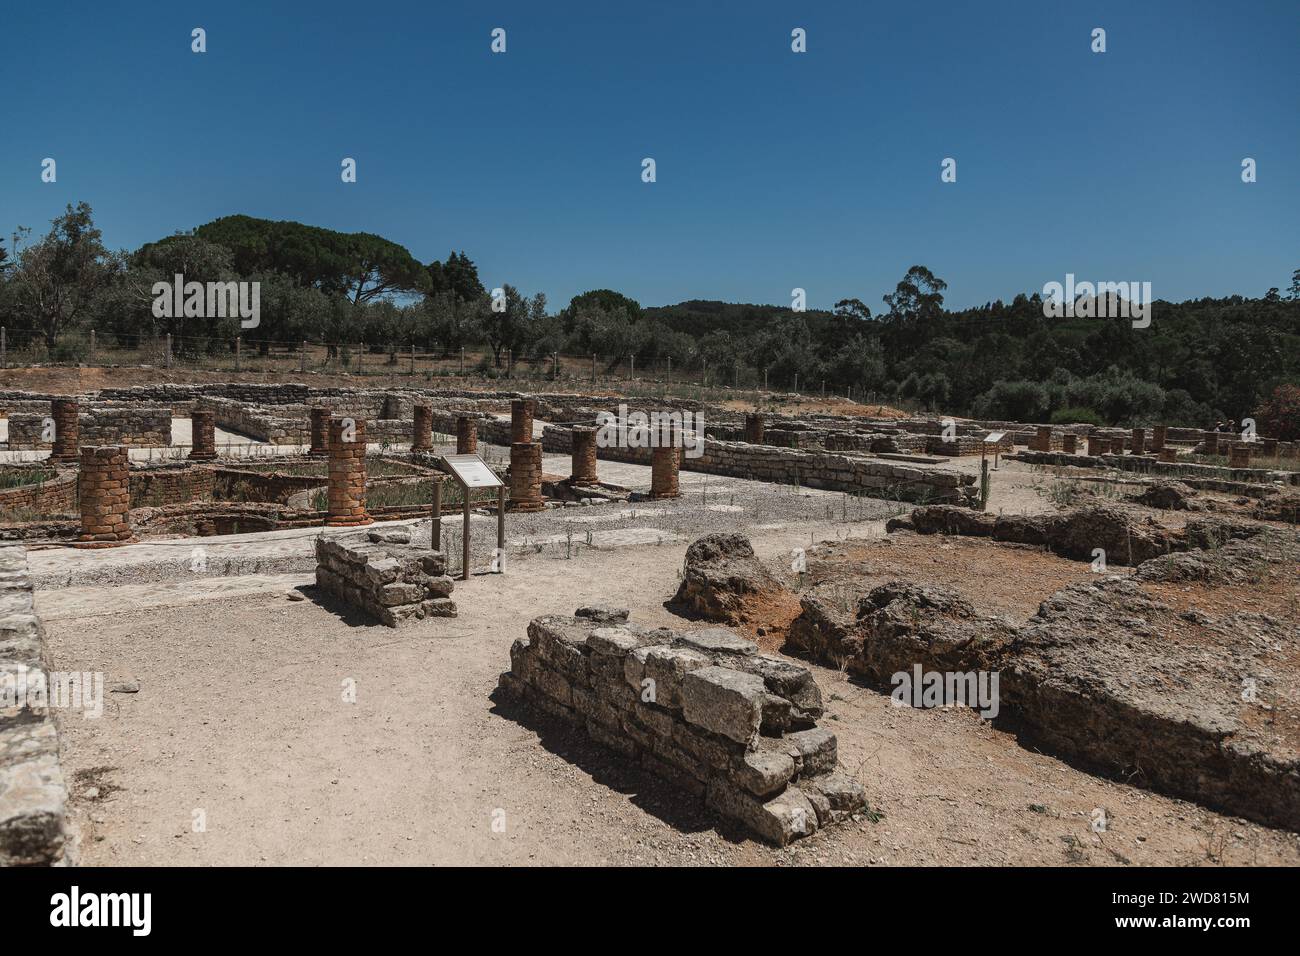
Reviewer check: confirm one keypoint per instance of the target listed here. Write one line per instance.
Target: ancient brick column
(67, 429)
(1239, 455)
(1117, 445)
(1098, 445)
(422, 440)
(521, 420)
(1069, 443)
(320, 433)
(1211, 443)
(1139, 440)
(1268, 447)
(755, 426)
(466, 436)
(203, 432)
(347, 468)
(526, 476)
(584, 456)
(665, 461)
(1043, 440)
(1158, 435)
(1168, 454)
(104, 490)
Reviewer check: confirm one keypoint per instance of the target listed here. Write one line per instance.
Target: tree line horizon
(1199, 362)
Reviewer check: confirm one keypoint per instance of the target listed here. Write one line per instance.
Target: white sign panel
(472, 471)
(994, 436)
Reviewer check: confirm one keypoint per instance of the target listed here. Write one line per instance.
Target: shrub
(1076, 414)
(1279, 415)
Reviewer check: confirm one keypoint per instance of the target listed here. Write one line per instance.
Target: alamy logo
(656, 430)
(1105, 300)
(32, 688)
(210, 300)
(925, 689)
(103, 909)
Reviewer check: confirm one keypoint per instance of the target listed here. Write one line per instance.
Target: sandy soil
(240, 714)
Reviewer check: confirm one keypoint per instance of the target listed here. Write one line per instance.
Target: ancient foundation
(1138, 440)
(526, 476)
(103, 486)
(67, 429)
(422, 439)
(755, 425)
(466, 436)
(1239, 455)
(1098, 445)
(33, 793)
(584, 456)
(386, 576)
(703, 710)
(203, 436)
(347, 474)
(1069, 443)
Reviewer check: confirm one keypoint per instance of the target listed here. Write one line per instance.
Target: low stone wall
(813, 469)
(33, 794)
(172, 483)
(146, 426)
(703, 710)
(383, 574)
(58, 495)
(1148, 465)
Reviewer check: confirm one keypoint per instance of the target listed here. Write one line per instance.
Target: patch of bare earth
(241, 714)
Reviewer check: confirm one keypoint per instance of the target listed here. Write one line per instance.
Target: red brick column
(1168, 454)
(1211, 443)
(1268, 447)
(466, 436)
(1158, 435)
(203, 436)
(320, 433)
(584, 456)
(1043, 440)
(526, 476)
(347, 481)
(1069, 443)
(665, 461)
(755, 427)
(1239, 455)
(521, 420)
(104, 489)
(1098, 445)
(66, 413)
(1117, 445)
(1139, 440)
(422, 440)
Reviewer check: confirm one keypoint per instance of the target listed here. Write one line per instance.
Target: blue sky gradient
(775, 170)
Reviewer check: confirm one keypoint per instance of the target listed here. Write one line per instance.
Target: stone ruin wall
(814, 469)
(33, 793)
(55, 496)
(114, 425)
(703, 710)
(383, 574)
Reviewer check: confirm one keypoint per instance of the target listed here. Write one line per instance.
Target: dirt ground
(240, 715)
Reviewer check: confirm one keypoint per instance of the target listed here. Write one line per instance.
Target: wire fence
(26, 347)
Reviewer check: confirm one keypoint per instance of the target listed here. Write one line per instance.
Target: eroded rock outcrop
(721, 574)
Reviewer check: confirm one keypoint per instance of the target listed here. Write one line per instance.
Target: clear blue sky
(775, 170)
